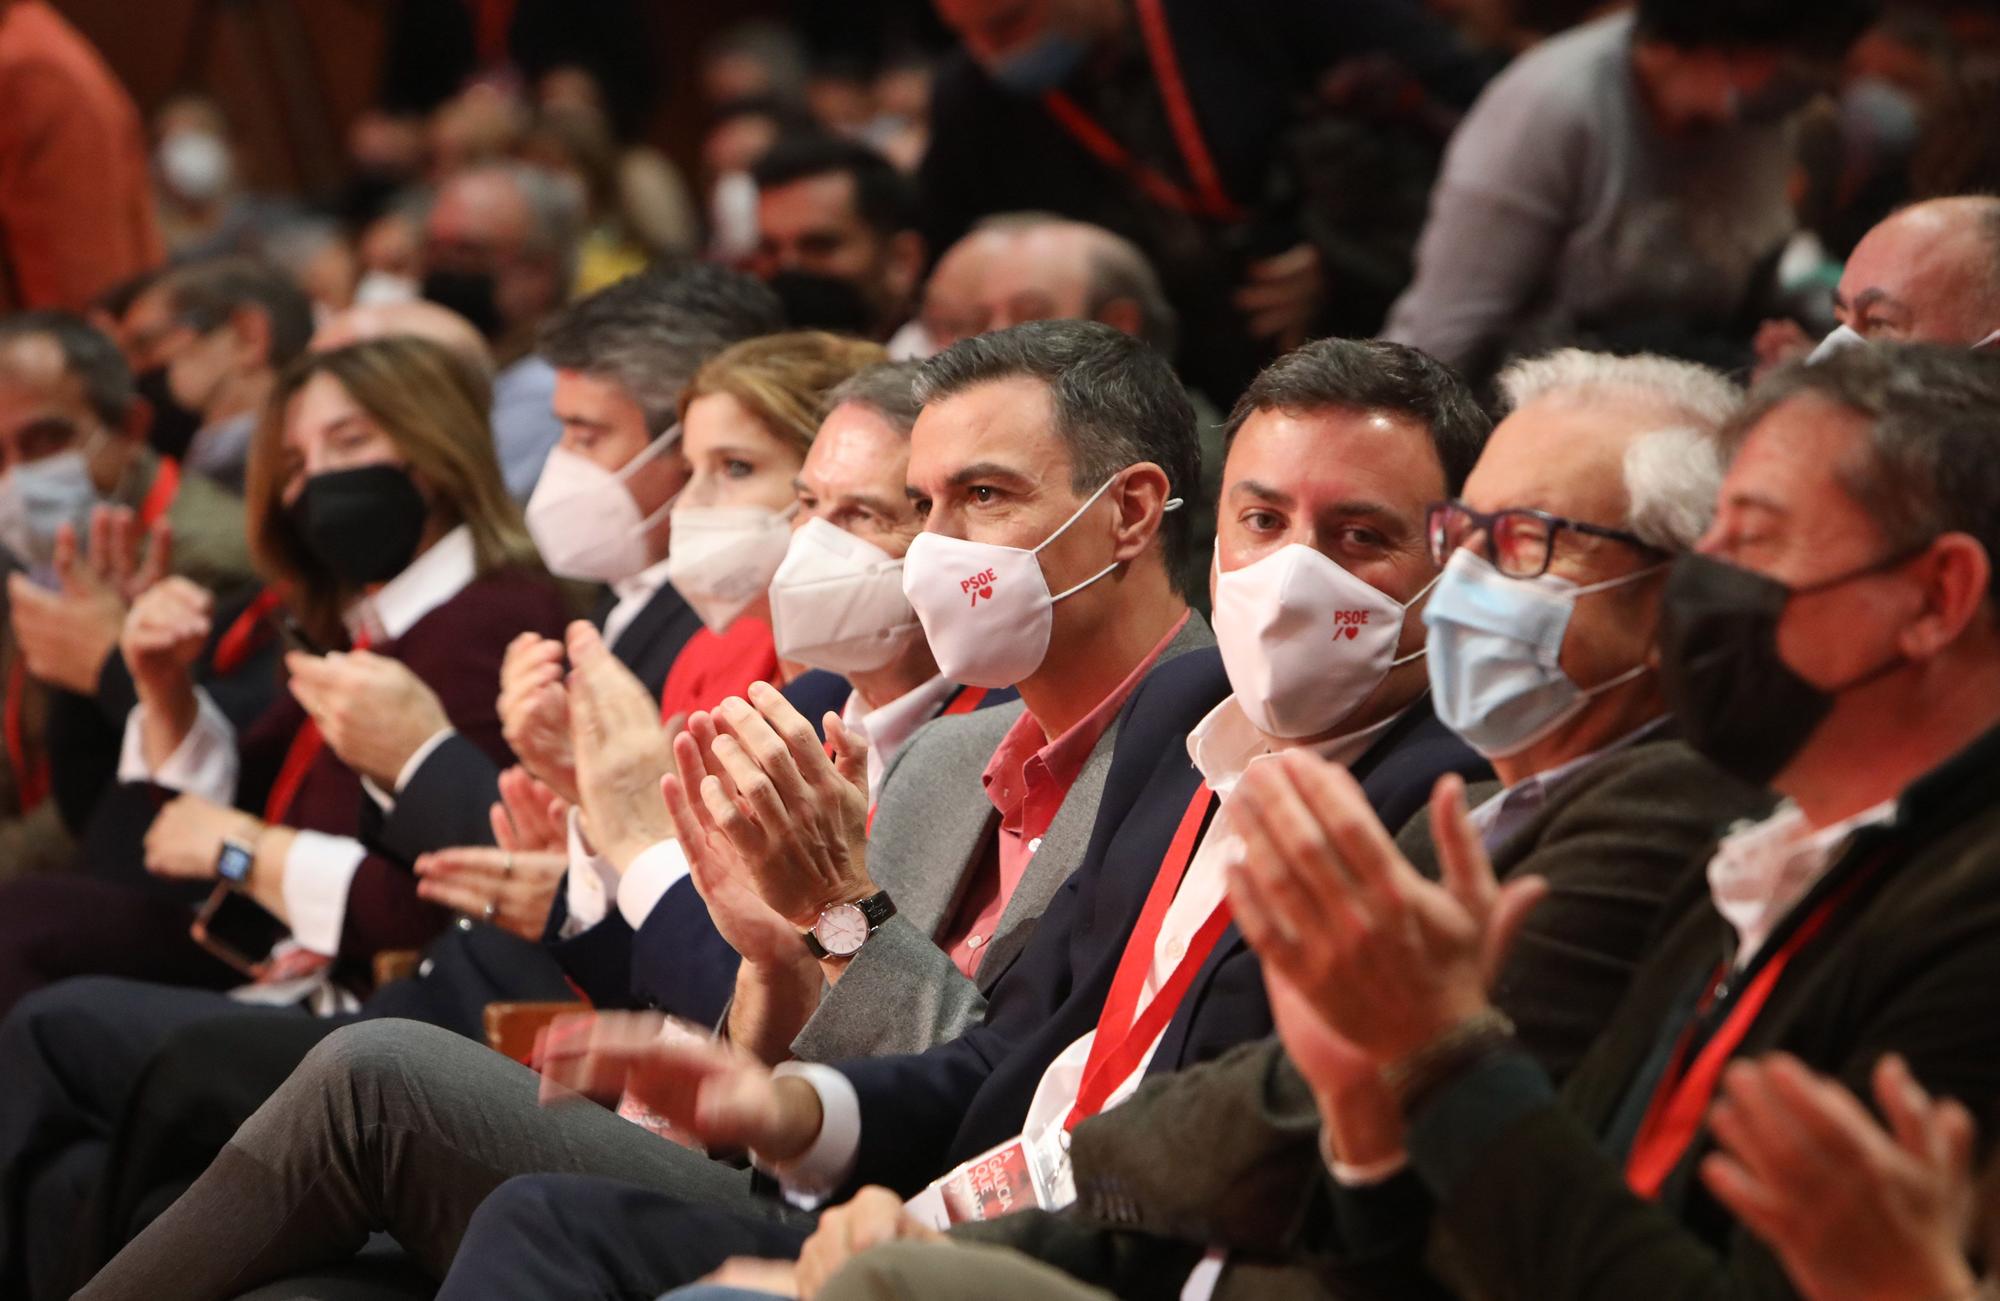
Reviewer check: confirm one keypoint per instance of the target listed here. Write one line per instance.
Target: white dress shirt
(1222, 746)
(319, 867)
(1760, 871)
(888, 728)
(593, 884)
(634, 594)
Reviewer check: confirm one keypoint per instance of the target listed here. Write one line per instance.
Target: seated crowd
(1023, 733)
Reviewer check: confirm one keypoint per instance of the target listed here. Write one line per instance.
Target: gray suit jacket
(934, 827)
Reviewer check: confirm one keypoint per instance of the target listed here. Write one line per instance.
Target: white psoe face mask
(583, 517)
(986, 608)
(837, 602)
(1304, 641)
(724, 558)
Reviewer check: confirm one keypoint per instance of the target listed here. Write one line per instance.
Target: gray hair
(888, 388)
(555, 212)
(650, 333)
(1118, 269)
(1117, 404)
(1929, 467)
(88, 354)
(1672, 473)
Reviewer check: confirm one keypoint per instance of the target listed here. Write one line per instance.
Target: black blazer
(925, 1112)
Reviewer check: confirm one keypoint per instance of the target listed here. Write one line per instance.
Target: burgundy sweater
(456, 649)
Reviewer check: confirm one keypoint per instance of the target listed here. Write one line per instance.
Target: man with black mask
(500, 247)
(836, 235)
(1835, 638)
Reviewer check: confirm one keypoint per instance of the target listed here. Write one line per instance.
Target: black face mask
(1738, 704)
(174, 426)
(362, 524)
(472, 294)
(822, 303)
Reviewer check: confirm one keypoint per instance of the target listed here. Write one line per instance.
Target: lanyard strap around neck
(160, 497)
(1681, 1100)
(1125, 1034)
(1208, 198)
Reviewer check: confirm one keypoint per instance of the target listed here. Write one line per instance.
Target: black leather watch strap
(876, 910)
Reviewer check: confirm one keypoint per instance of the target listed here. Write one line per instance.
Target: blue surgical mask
(1042, 66)
(39, 497)
(1495, 654)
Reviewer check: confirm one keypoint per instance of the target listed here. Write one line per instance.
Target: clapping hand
(707, 1088)
(796, 818)
(534, 711)
(621, 752)
(1854, 1210)
(66, 635)
(1391, 961)
(374, 712)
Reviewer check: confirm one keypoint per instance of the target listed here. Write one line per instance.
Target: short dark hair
(1821, 28)
(206, 294)
(1932, 462)
(651, 332)
(884, 197)
(1117, 403)
(87, 353)
(1371, 375)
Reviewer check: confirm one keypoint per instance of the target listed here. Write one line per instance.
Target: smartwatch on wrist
(843, 928)
(234, 862)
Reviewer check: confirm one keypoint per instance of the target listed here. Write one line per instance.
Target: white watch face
(842, 930)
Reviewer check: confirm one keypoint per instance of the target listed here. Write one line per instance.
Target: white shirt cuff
(657, 869)
(1361, 1176)
(318, 871)
(386, 800)
(205, 763)
(824, 1167)
(589, 887)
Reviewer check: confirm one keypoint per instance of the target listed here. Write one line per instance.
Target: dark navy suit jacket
(923, 1113)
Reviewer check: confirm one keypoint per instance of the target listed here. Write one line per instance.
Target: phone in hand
(236, 928)
(293, 633)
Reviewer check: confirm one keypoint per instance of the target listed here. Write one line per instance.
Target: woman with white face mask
(747, 420)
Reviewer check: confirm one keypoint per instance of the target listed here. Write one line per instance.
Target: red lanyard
(31, 772)
(1208, 198)
(1124, 1033)
(964, 702)
(299, 759)
(249, 631)
(1681, 1101)
(160, 497)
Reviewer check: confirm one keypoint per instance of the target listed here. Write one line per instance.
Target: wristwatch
(842, 929)
(234, 862)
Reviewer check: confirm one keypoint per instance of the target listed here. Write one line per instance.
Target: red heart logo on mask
(985, 593)
(1352, 633)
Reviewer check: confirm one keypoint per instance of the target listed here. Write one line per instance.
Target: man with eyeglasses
(1540, 650)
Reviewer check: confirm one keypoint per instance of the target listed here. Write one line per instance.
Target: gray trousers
(396, 1127)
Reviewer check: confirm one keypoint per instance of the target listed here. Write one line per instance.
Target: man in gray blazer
(1068, 438)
